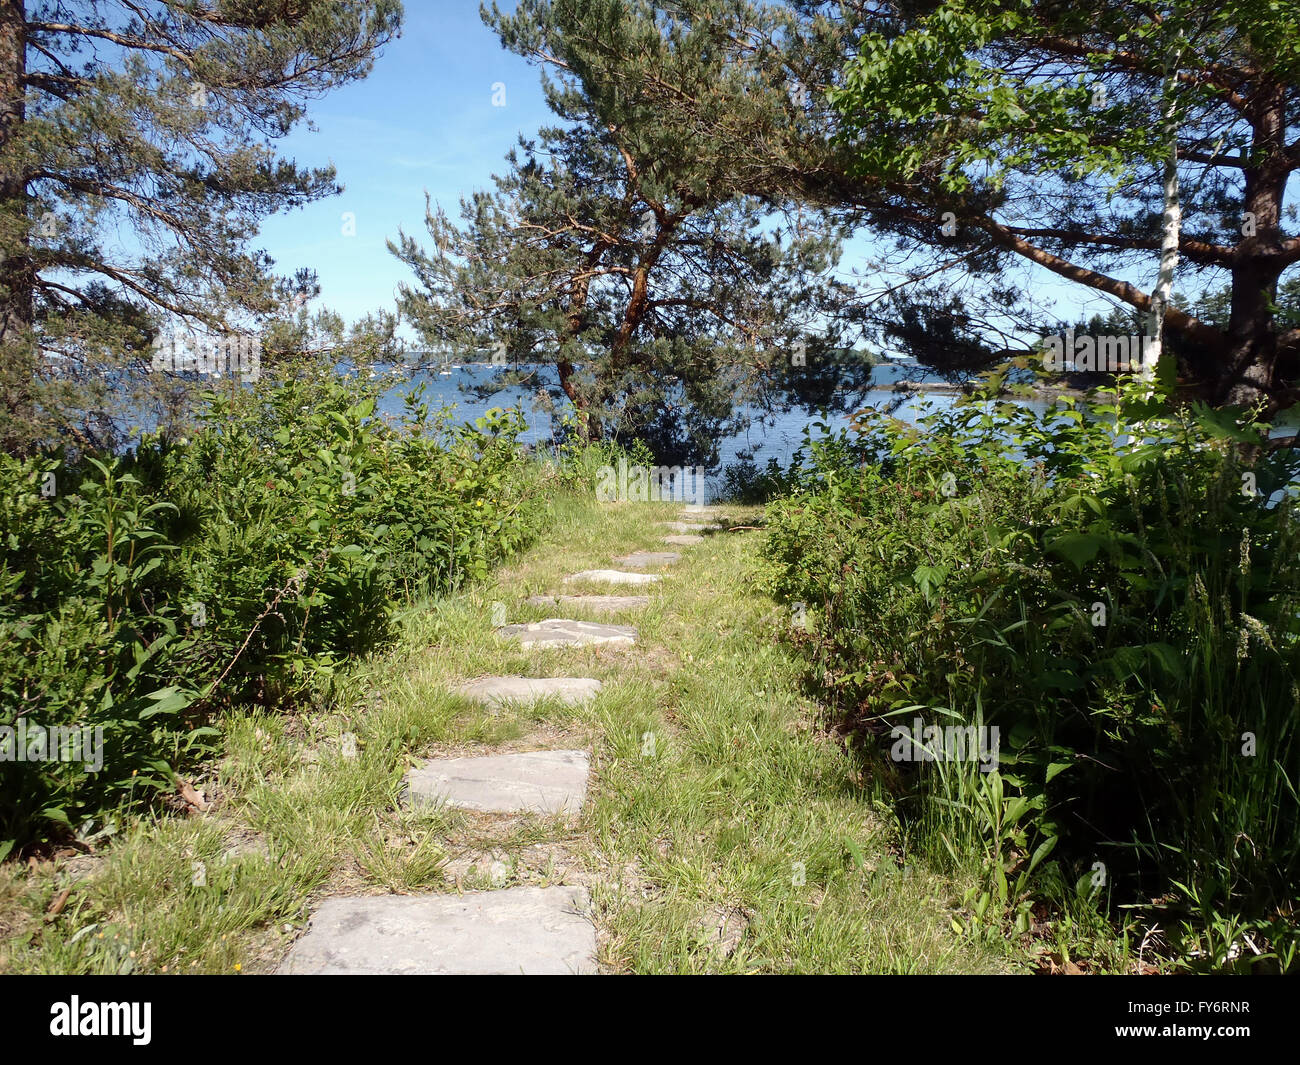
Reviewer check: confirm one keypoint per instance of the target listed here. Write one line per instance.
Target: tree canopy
(973, 138)
(664, 295)
(136, 162)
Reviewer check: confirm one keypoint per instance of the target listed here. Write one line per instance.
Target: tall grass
(1119, 591)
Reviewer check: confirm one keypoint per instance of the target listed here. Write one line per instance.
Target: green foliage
(993, 117)
(133, 177)
(666, 296)
(146, 592)
(1048, 137)
(745, 482)
(1118, 591)
(580, 462)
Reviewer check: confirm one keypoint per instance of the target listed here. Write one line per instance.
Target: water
(777, 439)
(774, 437)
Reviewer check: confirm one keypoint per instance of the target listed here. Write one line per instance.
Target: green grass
(723, 832)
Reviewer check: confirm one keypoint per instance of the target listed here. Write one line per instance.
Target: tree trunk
(1170, 232)
(1246, 372)
(1246, 378)
(15, 267)
(639, 299)
(16, 305)
(587, 428)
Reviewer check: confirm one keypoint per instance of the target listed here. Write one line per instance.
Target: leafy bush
(744, 482)
(88, 640)
(1118, 590)
(580, 461)
(141, 593)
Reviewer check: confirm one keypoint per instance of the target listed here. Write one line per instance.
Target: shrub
(1118, 590)
(745, 483)
(580, 462)
(149, 590)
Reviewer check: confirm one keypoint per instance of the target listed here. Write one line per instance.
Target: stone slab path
(493, 691)
(520, 819)
(521, 929)
(546, 782)
(685, 526)
(646, 559)
(565, 632)
(600, 604)
(612, 576)
(528, 930)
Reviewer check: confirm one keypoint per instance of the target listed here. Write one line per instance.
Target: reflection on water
(768, 437)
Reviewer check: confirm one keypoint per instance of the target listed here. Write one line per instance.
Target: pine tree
(666, 300)
(136, 162)
(662, 315)
(1039, 130)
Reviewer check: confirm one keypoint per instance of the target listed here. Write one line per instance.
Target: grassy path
(722, 831)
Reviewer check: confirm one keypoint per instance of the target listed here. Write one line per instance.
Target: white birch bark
(1171, 222)
(1170, 229)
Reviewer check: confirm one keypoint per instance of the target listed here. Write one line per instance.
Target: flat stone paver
(612, 576)
(493, 691)
(600, 604)
(685, 526)
(547, 782)
(683, 540)
(527, 930)
(644, 559)
(566, 632)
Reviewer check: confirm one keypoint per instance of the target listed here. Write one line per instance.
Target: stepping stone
(524, 930)
(685, 526)
(684, 540)
(603, 604)
(613, 576)
(544, 782)
(645, 559)
(493, 691)
(564, 632)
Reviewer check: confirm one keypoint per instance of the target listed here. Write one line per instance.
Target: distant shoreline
(1039, 391)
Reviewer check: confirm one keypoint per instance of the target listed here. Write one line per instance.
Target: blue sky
(424, 120)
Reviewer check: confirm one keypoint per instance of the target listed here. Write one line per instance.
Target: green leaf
(166, 701)
(1042, 851)
(1079, 548)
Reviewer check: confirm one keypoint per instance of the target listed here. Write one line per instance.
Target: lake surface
(769, 436)
(778, 439)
